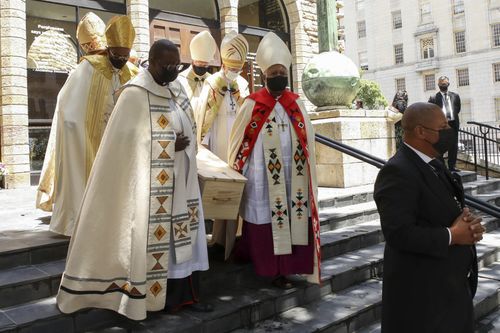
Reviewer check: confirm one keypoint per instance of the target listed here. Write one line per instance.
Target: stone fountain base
(367, 130)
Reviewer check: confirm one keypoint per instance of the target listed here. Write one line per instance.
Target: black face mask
(169, 75)
(200, 71)
(117, 63)
(445, 141)
(277, 83)
(443, 87)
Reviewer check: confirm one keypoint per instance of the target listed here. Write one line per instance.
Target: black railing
(482, 143)
(470, 201)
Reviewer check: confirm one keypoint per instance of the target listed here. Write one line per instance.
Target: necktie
(440, 171)
(447, 106)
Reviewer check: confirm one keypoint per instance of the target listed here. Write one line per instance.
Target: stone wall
(138, 10)
(13, 93)
(228, 12)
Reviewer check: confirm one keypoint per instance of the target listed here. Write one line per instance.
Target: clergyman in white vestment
(218, 106)
(138, 240)
(83, 108)
(202, 48)
(272, 144)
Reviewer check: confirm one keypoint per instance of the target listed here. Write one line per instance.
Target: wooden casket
(221, 186)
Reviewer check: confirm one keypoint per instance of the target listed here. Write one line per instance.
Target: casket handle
(221, 199)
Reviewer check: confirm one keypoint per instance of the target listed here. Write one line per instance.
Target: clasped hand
(467, 229)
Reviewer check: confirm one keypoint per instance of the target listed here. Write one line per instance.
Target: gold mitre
(120, 32)
(234, 48)
(90, 33)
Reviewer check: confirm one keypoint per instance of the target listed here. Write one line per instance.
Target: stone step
(482, 186)
(19, 248)
(28, 283)
(250, 299)
(335, 218)
(341, 197)
(490, 323)
(31, 282)
(468, 176)
(357, 310)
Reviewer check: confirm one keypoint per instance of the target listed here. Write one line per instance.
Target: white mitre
(233, 50)
(272, 51)
(203, 47)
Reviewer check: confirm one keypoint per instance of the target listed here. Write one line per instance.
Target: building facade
(38, 48)
(409, 44)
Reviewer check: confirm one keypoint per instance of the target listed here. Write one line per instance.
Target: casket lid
(211, 167)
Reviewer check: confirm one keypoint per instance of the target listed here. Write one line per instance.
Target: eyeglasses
(118, 57)
(178, 68)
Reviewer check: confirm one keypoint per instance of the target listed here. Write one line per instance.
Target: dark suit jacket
(455, 104)
(426, 287)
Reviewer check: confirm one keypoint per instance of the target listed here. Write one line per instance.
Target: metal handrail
(484, 129)
(483, 125)
(470, 201)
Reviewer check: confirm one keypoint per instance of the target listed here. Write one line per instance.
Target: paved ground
(18, 212)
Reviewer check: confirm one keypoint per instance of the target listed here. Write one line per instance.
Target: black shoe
(201, 307)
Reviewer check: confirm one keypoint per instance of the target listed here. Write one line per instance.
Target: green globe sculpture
(330, 78)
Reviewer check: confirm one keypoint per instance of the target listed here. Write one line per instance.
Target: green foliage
(371, 95)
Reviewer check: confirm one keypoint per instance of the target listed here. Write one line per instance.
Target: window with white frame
(463, 77)
(466, 111)
(496, 72)
(363, 60)
(398, 54)
(397, 21)
(497, 108)
(425, 12)
(495, 34)
(427, 47)
(460, 42)
(458, 7)
(361, 29)
(429, 82)
(400, 83)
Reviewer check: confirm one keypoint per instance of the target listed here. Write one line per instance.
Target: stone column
(138, 10)
(228, 12)
(303, 38)
(14, 138)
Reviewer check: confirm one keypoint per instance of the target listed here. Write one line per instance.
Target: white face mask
(230, 75)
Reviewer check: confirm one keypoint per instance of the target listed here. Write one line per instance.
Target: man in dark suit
(430, 263)
(449, 102)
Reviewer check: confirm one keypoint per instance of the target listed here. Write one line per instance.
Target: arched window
(427, 46)
(256, 18)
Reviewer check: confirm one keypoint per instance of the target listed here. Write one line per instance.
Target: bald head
(160, 47)
(420, 114)
(421, 123)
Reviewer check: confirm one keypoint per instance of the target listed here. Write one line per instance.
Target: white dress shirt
(448, 101)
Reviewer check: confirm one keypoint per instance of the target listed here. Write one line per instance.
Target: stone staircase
(348, 300)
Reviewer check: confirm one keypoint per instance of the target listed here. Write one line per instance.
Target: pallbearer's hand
(181, 142)
(467, 229)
